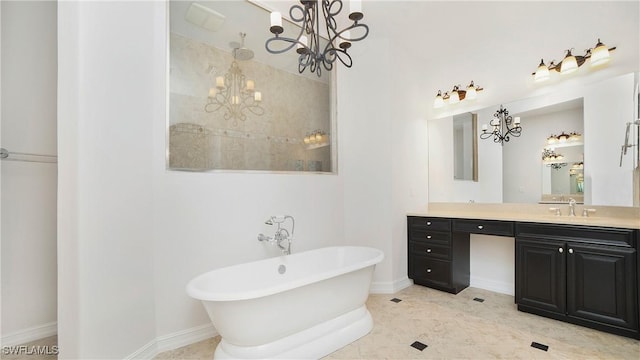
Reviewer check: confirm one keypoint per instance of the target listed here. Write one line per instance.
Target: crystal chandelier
(313, 55)
(503, 126)
(233, 92)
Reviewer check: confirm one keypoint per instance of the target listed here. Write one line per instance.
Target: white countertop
(607, 216)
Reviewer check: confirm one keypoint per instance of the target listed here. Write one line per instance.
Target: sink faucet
(572, 207)
(282, 235)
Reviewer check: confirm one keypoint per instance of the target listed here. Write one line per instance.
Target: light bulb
(542, 73)
(471, 92)
(569, 64)
(600, 54)
(439, 101)
(454, 98)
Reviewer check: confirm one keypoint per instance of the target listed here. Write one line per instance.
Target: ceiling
(497, 44)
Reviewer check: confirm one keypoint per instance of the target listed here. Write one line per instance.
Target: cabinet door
(540, 274)
(601, 283)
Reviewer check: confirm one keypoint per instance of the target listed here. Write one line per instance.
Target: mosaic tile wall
(274, 141)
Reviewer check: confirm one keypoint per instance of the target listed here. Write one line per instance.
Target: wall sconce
(597, 55)
(456, 95)
(553, 159)
(503, 125)
(564, 138)
(317, 137)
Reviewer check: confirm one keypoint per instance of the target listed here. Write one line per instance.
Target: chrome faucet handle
(585, 212)
(556, 209)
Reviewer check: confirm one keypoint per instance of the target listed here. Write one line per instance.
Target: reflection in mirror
(465, 147)
(232, 106)
(521, 159)
(563, 177)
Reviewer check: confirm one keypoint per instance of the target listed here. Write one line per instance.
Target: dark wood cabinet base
(584, 275)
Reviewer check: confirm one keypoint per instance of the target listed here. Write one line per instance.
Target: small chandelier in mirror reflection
(456, 95)
(597, 55)
(502, 127)
(313, 54)
(232, 92)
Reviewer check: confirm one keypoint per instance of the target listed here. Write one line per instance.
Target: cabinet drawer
(582, 233)
(437, 237)
(488, 227)
(434, 271)
(438, 224)
(430, 250)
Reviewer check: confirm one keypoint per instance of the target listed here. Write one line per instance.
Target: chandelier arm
(344, 52)
(293, 42)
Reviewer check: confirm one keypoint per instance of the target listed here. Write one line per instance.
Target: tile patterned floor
(457, 327)
(452, 327)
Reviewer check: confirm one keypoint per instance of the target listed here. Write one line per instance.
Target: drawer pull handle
(428, 270)
(428, 250)
(428, 223)
(428, 236)
(480, 227)
(570, 251)
(560, 250)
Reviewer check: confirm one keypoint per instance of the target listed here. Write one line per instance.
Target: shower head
(240, 52)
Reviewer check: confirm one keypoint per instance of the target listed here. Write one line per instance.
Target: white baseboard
(30, 334)
(389, 287)
(185, 337)
(492, 285)
(173, 341)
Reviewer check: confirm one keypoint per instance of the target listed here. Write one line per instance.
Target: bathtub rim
(205, 295)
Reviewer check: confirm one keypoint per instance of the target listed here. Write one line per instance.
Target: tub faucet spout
(282, 235)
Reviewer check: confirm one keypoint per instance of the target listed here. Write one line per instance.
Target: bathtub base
(313, 343)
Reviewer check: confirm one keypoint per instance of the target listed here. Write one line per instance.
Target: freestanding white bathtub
(305, 305)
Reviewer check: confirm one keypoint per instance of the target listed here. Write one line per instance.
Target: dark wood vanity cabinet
(438, 258)
(585, 275)
(580, 274)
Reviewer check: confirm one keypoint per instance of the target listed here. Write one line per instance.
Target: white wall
(106, 114)
(28, 188)
(604, 131)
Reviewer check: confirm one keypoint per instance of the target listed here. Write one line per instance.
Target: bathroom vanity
(574, 269)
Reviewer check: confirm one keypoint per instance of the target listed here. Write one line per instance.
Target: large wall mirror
(569, 149)
(232, 105)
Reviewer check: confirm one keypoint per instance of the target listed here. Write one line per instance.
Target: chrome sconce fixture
(597, 55)
(456, 95)
(311, 53)
(502, 127)
(233, 92)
